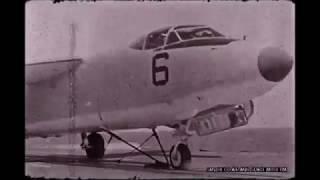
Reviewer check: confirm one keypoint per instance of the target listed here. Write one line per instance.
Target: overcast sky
(48, 35)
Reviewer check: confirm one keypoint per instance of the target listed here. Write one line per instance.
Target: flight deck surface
(55, 158)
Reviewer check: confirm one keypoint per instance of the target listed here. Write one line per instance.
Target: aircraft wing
(46, 71)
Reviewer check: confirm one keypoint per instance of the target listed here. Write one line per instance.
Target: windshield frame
(195, 29)
(174, 29)
(166, 32)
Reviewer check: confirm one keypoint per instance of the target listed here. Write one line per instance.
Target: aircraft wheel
(180, 156)
(95, 148)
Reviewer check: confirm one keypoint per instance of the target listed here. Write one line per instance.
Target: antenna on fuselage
(72, 94)
(72, 39)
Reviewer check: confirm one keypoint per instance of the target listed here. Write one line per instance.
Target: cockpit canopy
(175, 37)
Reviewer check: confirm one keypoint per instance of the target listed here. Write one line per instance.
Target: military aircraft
(188, 77)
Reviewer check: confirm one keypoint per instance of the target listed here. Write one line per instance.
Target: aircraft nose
(274, 64)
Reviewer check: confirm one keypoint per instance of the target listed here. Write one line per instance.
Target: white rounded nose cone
(274, 64)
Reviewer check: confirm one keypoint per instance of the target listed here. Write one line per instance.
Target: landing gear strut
(158, 163)
(179, 157)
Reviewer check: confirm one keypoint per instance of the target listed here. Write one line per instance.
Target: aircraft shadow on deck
(109, 161)
(129, 165)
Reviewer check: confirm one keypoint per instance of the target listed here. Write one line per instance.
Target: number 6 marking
(158, 69)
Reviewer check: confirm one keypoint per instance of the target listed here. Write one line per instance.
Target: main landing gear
(179, 156)
(93, 145)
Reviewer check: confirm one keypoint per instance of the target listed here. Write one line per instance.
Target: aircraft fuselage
(131, 88)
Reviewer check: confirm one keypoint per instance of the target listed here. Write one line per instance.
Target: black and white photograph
(160, 90)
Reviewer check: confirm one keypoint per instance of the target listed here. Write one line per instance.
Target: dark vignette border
(13, 143)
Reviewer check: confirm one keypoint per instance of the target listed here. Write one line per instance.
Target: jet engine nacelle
(220, 118)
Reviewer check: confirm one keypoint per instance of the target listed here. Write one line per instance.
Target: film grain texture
(159, 89)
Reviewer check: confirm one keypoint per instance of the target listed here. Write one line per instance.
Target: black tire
(96, 146)
(185, 157)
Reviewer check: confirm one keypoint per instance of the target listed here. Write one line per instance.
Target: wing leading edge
(45, 71)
